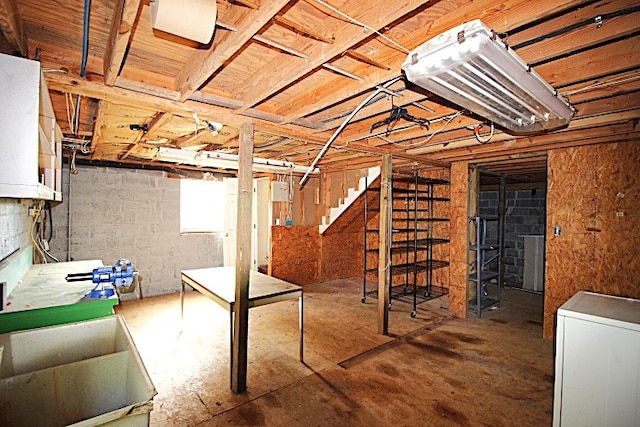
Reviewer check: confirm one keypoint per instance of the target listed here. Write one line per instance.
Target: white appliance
(597, 379)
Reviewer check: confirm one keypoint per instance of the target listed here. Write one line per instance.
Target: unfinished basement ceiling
(298, 68)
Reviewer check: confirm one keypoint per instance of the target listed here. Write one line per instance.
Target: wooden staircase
(352, 195)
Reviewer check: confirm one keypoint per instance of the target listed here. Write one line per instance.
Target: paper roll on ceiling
(191, 19)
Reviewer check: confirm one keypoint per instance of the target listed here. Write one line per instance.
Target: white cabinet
(30, 139)
(597, 379)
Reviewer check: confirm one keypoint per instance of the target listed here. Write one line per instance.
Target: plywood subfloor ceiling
(297, 68)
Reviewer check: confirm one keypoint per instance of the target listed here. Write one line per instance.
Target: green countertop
(43, 298)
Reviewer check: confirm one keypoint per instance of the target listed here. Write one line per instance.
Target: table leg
(301, 326)
(181, 300)
(230, 345)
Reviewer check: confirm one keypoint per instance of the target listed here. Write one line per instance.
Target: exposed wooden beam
(601, 61)
(74, 84)
(512, 14)
(583, 123)
(284, 72)
(12, 27)
(538, 145)
(247, 3)
(302, 29)
(124, 16)
(158, 121)
(188, 140)
(215, 100)
(98, 125)
(203, 64)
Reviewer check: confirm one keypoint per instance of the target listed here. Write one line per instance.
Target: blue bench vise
(107, 279)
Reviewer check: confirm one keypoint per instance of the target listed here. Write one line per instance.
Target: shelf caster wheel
(363, 300)
(389, 306)
(413, 314)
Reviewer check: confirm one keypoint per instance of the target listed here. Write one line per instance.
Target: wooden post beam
(384, 256)
(243, 261)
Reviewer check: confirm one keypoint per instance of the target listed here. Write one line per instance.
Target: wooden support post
(384, 257)
(243, 261)
(474, 206)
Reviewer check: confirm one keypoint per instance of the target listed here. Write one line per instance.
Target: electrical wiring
(629, 77)
(434, 133)
(476, 132)
(365, 26)
(70, 112)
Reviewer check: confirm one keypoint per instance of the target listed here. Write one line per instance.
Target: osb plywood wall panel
(458, 238)
(342, 255)
(295, 254)
(441, 229)
(594, 195)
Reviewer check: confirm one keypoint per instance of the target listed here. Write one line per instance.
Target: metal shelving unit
(413, 241)
(485, 266)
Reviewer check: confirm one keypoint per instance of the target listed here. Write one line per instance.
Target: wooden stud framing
(243, 261)
(384, 257)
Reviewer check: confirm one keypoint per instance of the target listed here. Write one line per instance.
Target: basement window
(201, 206)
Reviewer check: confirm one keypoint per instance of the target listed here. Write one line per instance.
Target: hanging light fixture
(471, 67)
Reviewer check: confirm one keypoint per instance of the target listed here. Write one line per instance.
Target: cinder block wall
(14, 226)
(525, 215)
(132, 214)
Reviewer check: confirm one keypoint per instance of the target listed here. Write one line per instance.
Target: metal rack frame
(487, 250)
(416, 225)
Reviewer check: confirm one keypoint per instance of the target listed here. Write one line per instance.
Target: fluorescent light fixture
(218, 159)
(470, 66)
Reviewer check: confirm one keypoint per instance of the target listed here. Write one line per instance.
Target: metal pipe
(342, 126)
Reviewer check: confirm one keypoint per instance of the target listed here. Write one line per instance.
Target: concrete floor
(434, 370)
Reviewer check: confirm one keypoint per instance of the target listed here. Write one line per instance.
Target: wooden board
(593, 193)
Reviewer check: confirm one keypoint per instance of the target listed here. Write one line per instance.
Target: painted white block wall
(133, 214)
(14, 226)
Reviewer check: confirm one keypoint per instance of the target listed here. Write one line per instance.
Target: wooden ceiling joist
(513, 14)
(247, 3)
(203, 64)
(12, 27)
(124, 16)
(261, 86)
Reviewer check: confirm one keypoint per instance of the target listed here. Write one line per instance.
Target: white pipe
(342, 126)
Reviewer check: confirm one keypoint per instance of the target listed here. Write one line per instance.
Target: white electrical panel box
(597, 379)
(279, 191)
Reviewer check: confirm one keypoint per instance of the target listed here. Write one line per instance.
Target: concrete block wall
(525, 215)
(134, 214)
(15, 224)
